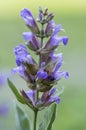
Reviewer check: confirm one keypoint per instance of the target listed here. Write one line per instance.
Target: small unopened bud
(40, 10)
(46, 12)
(50, 17)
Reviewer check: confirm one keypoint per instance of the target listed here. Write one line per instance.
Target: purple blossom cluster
(42, 76)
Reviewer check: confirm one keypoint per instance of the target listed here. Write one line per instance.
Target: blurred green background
(71, 112)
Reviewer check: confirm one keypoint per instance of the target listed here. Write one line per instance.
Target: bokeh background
(71, 112)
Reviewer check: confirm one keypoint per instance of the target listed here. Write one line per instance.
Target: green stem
(42, 30)
(41, 45)
(37, 92)
(35, 119)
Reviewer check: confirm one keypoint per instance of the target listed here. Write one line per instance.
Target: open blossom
(56, 40)
(42, 74)
(26, 65)
(48, 97)
(22, 55)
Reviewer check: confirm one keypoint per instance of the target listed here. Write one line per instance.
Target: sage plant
(41, 72)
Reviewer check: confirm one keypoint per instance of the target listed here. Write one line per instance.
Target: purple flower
(32, 40)
(58, 75)
(31, 95)
(40, 17)
(44, 100)
(52, 68)
(29, 20)
(48, 98)
(65, 40)
(50, 27)
(21, 71)
(41, 74)
(56, 40)
(20, 50)
(57, 29)
(23, 60)
(22, 55)
(56, 57)
(58, 65)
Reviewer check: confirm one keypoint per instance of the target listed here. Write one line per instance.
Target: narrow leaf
(17, 94)
(22, 122)
(15, 91)
(53, 116)
(49, 118)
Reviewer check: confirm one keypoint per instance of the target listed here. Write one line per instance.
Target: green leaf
(22, 122)
(48, 119)
(17, 94)
(15, 91)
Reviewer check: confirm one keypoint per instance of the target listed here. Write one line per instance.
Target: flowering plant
(40, 75)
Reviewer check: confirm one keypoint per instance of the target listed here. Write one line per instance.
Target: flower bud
(50, 27)
(29, 20)
(32, 41)
(50, 17)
